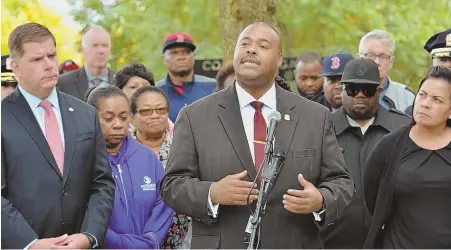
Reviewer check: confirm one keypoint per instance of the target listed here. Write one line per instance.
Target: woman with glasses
(131, 78)
(140, 218)
(407, 177)
(150, 109)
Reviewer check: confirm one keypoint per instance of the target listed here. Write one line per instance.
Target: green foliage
(139, 27)
(325, 26)
(18, 12)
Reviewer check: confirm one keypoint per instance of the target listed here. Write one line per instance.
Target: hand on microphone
(303, 201)
(232, 190)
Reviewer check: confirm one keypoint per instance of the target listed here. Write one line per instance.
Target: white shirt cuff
(213, 208)
(319, 215)
(29, 245)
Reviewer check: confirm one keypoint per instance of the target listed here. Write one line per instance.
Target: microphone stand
(260, 208)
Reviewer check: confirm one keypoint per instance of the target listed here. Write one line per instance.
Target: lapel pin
(71, 109)
(286, 117)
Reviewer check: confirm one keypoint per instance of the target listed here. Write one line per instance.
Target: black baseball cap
(334, 65)
(361, 71)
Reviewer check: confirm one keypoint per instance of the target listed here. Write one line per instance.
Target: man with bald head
(96, 47)
(219, 145)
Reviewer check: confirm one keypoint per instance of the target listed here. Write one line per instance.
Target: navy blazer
(39, 202)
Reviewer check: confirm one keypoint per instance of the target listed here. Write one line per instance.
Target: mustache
(250, 58)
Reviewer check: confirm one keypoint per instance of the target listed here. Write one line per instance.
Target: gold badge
(448, 40)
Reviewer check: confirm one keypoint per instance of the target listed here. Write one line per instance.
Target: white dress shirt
(356, 125)
(39, 112)
(269, 101)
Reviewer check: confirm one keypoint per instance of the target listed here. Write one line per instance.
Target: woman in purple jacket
(140, 219)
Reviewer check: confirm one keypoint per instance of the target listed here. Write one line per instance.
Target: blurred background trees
(17, 12)
(325, 26)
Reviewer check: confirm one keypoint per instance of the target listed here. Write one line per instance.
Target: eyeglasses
(149, 112)
(382, 57)
(353, 90)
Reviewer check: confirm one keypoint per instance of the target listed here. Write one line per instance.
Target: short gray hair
(381, 35)
(85, 37)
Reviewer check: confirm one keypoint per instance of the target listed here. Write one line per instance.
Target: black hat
(363, 71)
(8, 78)
(333, 65)
(180, 39)
(439, 45)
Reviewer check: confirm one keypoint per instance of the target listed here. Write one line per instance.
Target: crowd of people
(94, 158)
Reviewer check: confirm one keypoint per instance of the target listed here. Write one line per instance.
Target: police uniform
(8, 77)
(356, 143)
(439, 46)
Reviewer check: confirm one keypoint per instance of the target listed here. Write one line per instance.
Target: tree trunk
(237, 14)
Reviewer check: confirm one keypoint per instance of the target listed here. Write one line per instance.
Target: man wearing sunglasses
(359, 124)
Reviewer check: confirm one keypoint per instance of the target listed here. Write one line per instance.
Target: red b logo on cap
(335, 62)
(180, 38)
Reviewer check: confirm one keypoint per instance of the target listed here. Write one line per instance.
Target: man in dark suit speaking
(217, 149)
(57, 186)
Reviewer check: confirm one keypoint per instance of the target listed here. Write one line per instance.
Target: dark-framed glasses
(148, 112)
(353, 90)
(372, 56)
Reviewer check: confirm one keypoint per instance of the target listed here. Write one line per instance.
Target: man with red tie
(57, 186)
(218, 147)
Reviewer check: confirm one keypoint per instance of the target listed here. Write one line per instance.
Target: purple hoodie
(140, 219)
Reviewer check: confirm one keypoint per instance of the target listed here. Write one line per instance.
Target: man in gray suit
(217, 149)
(57, 186)
(96, 44)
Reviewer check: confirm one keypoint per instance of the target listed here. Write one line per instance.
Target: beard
(361, 114)
(182, 73)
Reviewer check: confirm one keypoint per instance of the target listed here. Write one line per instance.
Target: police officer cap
(439, 45)
(363, 71)
(6, 67)
(334, 65)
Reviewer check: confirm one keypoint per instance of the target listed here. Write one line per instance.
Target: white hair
(86, 35)
(380, 35)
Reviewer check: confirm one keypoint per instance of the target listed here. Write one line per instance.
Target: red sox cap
(178, 39)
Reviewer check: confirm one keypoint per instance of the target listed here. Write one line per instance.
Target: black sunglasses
(353, 90)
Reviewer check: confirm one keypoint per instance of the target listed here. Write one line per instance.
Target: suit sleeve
(181, 187)
(336, 185)
(16, 232)
(101, 199)
(373, 171)
(155, 229)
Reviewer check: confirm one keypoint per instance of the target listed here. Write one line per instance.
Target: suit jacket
(37, 202)
(75, 83)
(210, 143)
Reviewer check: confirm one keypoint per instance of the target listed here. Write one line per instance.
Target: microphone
(272, 171)
(273, 120)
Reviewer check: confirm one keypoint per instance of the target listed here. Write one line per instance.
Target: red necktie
(259, 134)
(52, 133)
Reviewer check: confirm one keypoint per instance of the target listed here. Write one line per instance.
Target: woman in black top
(407, 177)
